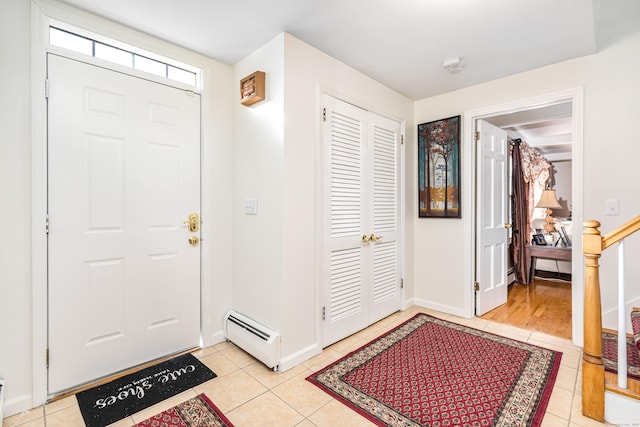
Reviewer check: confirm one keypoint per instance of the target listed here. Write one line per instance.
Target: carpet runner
(610, 348)
(431, 372)
(196, 412)
(115, 400)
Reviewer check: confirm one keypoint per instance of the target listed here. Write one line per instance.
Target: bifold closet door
(360, 264)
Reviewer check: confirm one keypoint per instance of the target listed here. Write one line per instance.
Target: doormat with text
(125, 396)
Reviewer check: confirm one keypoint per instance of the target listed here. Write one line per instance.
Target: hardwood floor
(543, 306)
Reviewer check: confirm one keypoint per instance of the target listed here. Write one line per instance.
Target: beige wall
(561, 182)
(610, 151)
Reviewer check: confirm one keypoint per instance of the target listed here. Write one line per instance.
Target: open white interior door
(492, 217)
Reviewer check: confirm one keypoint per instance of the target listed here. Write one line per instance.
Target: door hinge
(476, 286)
(46, 357)
(401, 139)
(477, 136)
(324, 114)
(46, 224)
(401, 283)
(324, 314)
(46, 89)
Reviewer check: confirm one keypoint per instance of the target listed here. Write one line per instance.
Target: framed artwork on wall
(439, 168)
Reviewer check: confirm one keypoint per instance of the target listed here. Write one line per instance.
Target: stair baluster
(622, 322)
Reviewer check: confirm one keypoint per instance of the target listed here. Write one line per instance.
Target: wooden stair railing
(593, 375)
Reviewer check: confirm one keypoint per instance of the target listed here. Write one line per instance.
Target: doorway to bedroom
(539, 298)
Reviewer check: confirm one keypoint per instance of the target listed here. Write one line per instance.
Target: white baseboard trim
(407, 303)
(298, 357)
(621, 410)
(456, 311)
(215, 338)
(17, 404)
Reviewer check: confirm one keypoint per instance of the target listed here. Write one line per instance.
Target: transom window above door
(125, 57)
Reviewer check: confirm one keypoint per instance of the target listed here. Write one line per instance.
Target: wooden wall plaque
(252, 88)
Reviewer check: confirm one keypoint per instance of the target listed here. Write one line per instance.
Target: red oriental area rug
(196, 412)
(430, 372)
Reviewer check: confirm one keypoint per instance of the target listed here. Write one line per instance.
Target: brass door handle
(194, 240)
(374, 238)
(365, 238)
(193, 222)
(507, 226)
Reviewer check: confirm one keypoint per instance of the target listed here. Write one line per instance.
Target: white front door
(123, 175)
(361, 257)
(492, 217)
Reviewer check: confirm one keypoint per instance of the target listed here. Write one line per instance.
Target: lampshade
(548, 200)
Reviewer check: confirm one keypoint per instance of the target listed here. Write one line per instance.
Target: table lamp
(548, 201)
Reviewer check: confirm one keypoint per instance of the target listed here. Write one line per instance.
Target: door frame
(576, 97)
(42, 15)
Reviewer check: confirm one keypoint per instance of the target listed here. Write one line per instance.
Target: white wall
(309, 73)
(277, 160)
(610, 152)
(258, 157)
(15, 203)
(17, 183)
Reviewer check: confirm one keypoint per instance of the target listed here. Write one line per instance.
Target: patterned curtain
(535, 171)
(530, 171)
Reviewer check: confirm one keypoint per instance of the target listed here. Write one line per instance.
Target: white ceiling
(548, 129)
(400, 43)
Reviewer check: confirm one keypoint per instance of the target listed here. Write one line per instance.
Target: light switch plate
(611, 207)
(251, 206)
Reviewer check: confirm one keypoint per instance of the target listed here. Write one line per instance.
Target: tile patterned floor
(251, 395)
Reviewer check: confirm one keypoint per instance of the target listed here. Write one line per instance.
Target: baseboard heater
(253, 337)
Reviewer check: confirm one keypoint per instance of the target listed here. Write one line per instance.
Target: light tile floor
(252, 395)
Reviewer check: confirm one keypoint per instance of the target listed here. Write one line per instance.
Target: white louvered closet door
(383, 217)
(361, 280)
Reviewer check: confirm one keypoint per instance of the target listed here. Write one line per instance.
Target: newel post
(592, 365)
